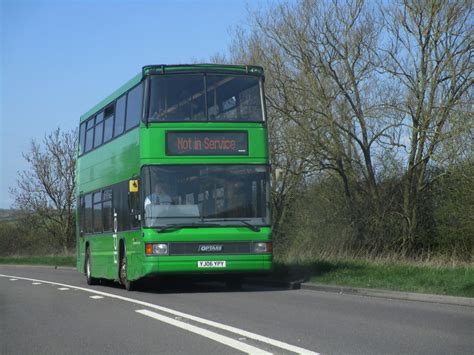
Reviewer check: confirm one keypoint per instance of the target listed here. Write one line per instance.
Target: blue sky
(59, 58)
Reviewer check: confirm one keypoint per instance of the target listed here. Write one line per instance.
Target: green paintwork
(180, 264)
(115, 161)
(122, 158)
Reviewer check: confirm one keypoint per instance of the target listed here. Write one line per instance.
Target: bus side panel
(106, 246)
(114, 163)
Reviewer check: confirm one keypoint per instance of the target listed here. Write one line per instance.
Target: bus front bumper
(215, 264)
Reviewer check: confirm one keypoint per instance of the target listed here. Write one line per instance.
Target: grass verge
(454, 281)
(39, 260)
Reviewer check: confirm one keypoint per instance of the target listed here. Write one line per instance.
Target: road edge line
(249, 349)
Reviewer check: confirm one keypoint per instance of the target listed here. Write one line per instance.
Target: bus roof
(173, 68)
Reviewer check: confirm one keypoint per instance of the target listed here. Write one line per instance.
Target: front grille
(196, 248)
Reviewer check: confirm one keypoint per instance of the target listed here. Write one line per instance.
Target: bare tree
(319, 58)
(380, 100)
(429, 52)
(287, 155)
(47, 189)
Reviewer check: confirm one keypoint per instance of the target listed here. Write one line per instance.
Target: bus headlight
(156, 249)
(263, 247)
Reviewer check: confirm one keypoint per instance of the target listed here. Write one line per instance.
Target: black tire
(129, 285)
(88, 270)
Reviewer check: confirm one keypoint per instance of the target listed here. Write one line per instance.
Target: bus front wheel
(88, 269)
(129, 285)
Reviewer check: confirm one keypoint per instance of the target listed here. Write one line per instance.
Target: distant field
(455, 281)
(8, 215)
(39, 260)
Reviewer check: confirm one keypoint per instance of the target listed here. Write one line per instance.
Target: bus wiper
(243, 221)
(181, 226)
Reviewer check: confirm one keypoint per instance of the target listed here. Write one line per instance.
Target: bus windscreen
(211, 97)
(194, 193)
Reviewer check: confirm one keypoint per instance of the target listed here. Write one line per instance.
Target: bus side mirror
(133, 186)
(134, 199)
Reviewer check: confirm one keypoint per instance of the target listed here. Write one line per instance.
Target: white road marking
(96, 297)
(13, 279)
(36, 283)
(204, 332)
(63, 289)
(244, 333)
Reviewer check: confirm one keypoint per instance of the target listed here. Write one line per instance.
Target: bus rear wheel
(129, 285)
(88, 269)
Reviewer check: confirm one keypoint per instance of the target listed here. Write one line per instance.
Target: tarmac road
(53, 311)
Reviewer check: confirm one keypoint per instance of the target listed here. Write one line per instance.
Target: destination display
(207, 143)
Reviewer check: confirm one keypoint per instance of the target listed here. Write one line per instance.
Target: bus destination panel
(207, 143)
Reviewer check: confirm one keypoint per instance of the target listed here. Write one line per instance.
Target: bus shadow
(180, 285)
(285, 277)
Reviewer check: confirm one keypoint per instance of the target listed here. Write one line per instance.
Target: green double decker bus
(173, 177)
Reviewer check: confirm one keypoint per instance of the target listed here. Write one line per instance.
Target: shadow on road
(186, 284)
(285, 277)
